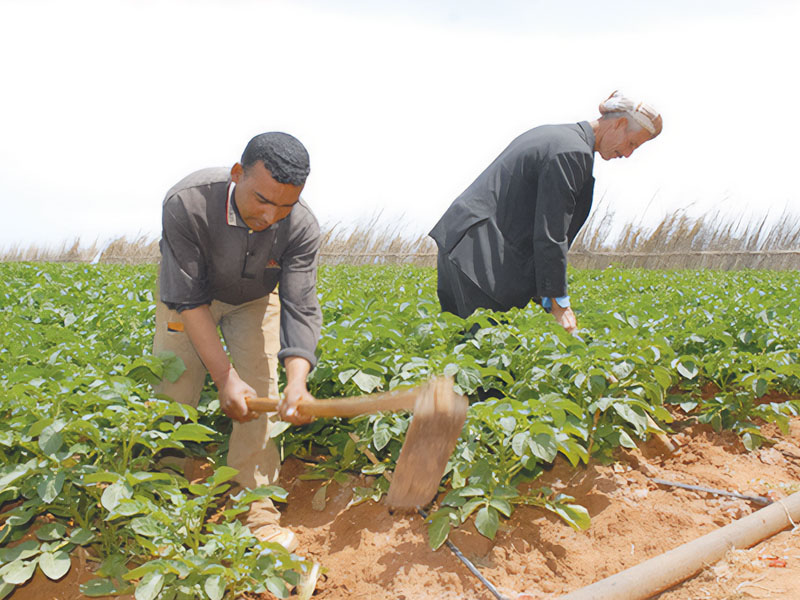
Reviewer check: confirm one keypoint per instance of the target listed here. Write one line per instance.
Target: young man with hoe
(230, 237)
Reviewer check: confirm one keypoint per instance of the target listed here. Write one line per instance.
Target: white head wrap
(644, 114)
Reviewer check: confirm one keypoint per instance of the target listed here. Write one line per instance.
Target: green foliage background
(82, 432)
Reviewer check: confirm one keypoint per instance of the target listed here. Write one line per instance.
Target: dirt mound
(371, 554)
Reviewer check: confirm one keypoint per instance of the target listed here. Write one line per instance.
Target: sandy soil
(371, 554)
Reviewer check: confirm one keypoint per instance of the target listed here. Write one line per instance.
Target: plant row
(84, 440)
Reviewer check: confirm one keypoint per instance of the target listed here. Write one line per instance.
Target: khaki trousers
(251, 334)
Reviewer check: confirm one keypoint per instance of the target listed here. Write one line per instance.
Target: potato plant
(83, 436)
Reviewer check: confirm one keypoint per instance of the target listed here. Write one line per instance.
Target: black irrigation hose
(699, 488)
(469, 564)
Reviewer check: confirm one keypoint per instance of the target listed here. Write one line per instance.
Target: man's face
(260, 199)
(618, 142)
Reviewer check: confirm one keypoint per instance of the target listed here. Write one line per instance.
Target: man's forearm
(202, 331)
(297, 370)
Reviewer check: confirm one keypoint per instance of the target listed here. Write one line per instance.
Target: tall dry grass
(683, 242)
(677, 242)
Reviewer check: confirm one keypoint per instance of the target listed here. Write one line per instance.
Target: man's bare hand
(292, 396)
(564, 317)
(297, 370)
(232, 396)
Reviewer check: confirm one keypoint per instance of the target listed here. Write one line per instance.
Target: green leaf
(50, 440)
(319, 499)
(505, 492)
(502, 506)
(149, 586)
(760, 387)
(273, 492)
(471, 506)
(752, 441)
(18, 572)
(113, 566)
(688, 368)
(51, 531)
(278, 427)
(623, 369)
(173, 366)
(662, 376)
(114, 493)
(223, 474)
(573, 451)
(487, 521)
(20, 515)
(98, 587)
(625, 440)
(192, 432)
(154, 566)
(344, 376)
(214, 586)
(519, 443)
(128, 507)
(50, 486)
(543, 446)
(366, 382)
(574, 514)
(508, 423)
(54, 564)
(471, 490)
(438, 529)
(342, 478)
(36, 429)
(639, 421)
(198, 489)
(81, 536)
(21, 551)
(102, 477)
(16, 473)
(6, 589)
(276, 585)
(382, 437)
(144, 373)
(143, 476)
(597, 384)
(147, 526)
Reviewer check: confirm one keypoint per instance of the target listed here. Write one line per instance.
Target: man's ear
(237, 171)
(621, 122)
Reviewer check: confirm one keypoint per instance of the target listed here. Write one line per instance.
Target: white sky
(105, 104)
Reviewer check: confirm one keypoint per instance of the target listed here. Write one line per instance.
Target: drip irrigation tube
(653, 576)
(469, 564)
(699, 488)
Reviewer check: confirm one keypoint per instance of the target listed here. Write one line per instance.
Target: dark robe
(509, 231)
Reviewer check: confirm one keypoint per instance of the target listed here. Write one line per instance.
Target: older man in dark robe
(504, 240)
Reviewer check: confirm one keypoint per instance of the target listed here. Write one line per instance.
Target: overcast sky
(105, 104)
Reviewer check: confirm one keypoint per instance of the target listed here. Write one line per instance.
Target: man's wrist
(562, 301)
(297, 370)
(221, 379)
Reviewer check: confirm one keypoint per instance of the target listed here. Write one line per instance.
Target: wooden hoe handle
(346, 407)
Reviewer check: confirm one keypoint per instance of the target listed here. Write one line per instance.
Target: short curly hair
(282, 155)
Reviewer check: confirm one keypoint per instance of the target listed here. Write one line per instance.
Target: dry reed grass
(678, 242)
(683, 242)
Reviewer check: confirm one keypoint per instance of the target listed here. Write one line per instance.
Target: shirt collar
(587, 133)
(230, 206)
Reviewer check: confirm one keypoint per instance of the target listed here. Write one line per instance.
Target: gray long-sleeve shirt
(510, 230)
(209, 253)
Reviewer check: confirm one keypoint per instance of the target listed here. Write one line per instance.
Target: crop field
(83, 436)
